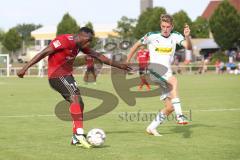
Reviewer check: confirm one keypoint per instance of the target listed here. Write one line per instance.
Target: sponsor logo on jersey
(56, 43)
(162, 50)
(69, 58)
(70, 38)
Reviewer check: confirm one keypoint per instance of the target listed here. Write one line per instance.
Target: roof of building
(212, 6)
(45, 30)
(49, 32)
(206, 44)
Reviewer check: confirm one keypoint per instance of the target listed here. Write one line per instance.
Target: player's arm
(133, 50)
(105, 60)
(45, 52)
(187, 44)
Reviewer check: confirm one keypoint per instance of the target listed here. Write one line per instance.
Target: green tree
(12, 40)
(95, 39)
(200, 28)
(225, 25)
(1, 39)
(25, 30)
(1, 35)
(89, 25)
(125, 27)
(68, 25)
(180, 19)
(219, 55)
(148, 21)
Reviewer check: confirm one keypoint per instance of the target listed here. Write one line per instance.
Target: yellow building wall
(105, 34)
(46, 36)
(51, 36)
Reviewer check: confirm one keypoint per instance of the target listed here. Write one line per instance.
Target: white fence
(6, 62)
(104, 70)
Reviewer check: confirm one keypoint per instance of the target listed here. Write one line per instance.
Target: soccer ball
(96, 137)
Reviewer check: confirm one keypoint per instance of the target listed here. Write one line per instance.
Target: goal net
(4, 65)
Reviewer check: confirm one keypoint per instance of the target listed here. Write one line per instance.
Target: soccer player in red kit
(90, 68)
(143, 61)
(61, 53)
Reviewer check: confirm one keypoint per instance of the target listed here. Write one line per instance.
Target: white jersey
(161, 48)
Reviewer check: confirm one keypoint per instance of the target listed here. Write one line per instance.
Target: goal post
(4, 65)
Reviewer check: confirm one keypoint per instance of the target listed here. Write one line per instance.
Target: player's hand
(186, 30)
(21, 73)
(125, 67)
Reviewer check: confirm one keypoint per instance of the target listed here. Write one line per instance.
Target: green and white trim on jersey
(162, 49)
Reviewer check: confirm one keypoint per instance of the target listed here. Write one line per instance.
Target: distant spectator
(231, 67)
(188, 56)
(90, 69)
(177, 59)
(238, 56)
(217, 66)
(205, 63)
(222, 67)
(228, 67)
(203, 68)
(237, 70)
(41, 66)
(231, 55)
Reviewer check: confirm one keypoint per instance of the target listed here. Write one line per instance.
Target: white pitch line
(218, 110)
(139, 111)
(26, 116)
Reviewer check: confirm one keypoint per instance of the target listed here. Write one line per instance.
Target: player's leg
(160, 118)
(86, 76)
(175, 100)
(142, 79)
(94, 75)
(145, 79)
(67, 87)
(76, 110)
(157, 78)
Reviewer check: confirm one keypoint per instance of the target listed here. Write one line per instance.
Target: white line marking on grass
(53, 115)
(26, 116)
(193, 110)
(218, 110)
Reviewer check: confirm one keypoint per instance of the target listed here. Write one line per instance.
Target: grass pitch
(31, 131)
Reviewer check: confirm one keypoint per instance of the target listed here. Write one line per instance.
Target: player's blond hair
(166, 18)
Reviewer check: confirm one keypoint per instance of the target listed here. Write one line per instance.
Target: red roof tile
(212, 6)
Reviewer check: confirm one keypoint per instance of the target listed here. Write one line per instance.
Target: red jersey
(143, 58)
(89, 61)
(61, 62)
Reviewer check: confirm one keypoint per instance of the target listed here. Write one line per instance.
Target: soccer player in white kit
(162, 45)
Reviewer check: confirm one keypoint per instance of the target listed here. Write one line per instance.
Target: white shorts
(161, 76)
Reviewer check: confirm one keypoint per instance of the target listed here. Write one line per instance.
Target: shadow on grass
(99, 147)
(102, 147)
(186, 131)
(123, 132)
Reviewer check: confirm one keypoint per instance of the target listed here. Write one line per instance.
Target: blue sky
(50, 12)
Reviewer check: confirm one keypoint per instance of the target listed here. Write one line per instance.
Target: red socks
(77, 116)
(144, 81)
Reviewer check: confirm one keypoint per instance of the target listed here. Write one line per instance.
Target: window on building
(37, 42)
(47, 42)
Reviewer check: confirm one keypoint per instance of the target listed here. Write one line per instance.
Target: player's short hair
(166, 18)
(142, 47)
(86, 30)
